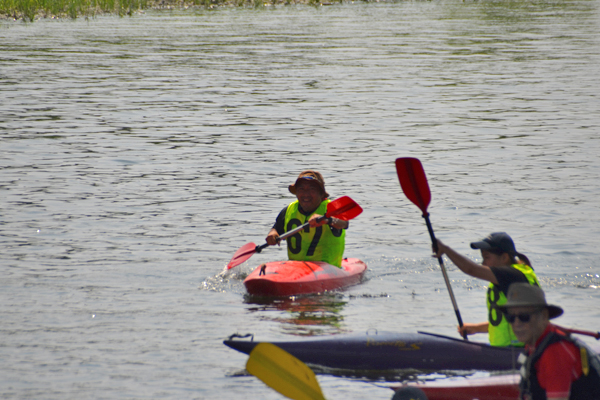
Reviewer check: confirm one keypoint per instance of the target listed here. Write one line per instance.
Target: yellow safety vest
(499, 330)
(313, 244)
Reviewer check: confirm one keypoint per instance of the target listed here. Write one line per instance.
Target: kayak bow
(290, 278)
(388, 351)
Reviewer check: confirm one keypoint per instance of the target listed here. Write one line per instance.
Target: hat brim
(553, 311)
(482, 245)
(292, 188)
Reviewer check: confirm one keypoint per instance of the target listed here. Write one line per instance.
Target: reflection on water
(390, 375)
(309, 315)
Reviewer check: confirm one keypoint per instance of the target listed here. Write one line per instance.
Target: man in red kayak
(502, 266)
(557, 367)
(321, 241)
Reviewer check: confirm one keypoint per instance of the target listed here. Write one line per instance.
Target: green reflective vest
(499, 330)
(313, 244)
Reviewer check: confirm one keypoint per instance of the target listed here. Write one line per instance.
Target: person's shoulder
(282, 213)
(510, 270)
(507, 275)
(501, 268)
(560, 343)
(562, 352)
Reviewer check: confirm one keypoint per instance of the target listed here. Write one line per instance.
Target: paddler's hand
(314, 223)
(333, 222)
(272, 237)
(463, 331)
(441, 249)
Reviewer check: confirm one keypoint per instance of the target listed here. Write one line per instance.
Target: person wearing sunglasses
(502, 266)
(319, 243)
(556, 366)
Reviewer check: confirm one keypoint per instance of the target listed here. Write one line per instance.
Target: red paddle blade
(343, 208)
(414, 182)
(243, 253)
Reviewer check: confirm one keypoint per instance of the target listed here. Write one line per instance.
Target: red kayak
(499, 387)
(289, 278)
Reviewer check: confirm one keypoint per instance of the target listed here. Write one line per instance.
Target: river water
(138, 154)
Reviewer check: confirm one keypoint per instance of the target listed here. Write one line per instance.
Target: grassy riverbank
(30, 10)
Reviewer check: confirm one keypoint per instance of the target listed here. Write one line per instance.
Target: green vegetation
(29, 10)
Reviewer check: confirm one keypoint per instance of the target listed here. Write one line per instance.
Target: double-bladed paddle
(283, 372)
(343, 208)
(414, 185)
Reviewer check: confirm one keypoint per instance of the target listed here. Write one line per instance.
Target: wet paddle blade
(243, 253)
(414, 182)
(343, 208)
(284, 373)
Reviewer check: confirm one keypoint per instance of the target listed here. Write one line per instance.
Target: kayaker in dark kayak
(317, 242)
(557, 366)
(502, 265)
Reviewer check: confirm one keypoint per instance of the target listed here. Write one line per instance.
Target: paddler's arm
(333, 222)
(470, 328)
(465, 264)
(277, 229)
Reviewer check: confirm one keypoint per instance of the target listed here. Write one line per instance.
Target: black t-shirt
(279, 224)
(506, 276)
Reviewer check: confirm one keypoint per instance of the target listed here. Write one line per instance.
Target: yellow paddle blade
(283, 372)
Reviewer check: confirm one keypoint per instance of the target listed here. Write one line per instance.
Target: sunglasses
(524, 317)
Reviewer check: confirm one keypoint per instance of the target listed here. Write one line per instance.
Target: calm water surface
(137, 154)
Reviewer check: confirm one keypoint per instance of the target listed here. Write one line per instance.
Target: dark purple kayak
(386, 351)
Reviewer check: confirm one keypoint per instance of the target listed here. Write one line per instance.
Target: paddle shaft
(595, 335)
(343, 208)
(443, 268)
(289, 233)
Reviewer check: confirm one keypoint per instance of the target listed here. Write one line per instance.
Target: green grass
(30, 10)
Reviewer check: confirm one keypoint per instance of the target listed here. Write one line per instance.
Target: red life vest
(586, 387)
